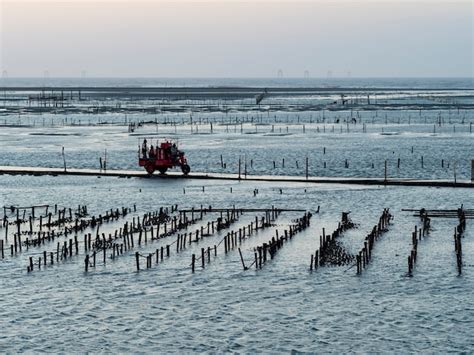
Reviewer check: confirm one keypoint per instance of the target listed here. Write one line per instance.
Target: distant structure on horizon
(349, 74)
(306, 74)
(83, 74)
(46, 74)
(4, 74)
(280, 73)
(329, 74)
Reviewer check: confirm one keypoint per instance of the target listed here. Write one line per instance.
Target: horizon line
(237, 77)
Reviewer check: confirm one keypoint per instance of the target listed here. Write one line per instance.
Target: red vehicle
(164, 156)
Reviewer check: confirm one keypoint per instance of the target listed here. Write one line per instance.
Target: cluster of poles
(365, 254)
(235, 238)
(329, 251)
(277, 242)
(425, 216)
(167, 222)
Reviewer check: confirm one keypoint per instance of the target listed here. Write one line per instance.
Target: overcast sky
(237, 39)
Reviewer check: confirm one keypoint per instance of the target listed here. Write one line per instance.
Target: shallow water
(283, 307)
(264, 150)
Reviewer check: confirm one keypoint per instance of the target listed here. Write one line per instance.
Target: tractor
(162, 157)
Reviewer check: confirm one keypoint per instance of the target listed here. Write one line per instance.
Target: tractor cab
(162, 156)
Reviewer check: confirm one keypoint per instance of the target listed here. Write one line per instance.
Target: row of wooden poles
(364, 256)
(182, 240)
(416, 236)
(102, 244)
(262, 119)
(142, 227)
(208, 127)
(81, 210)
(65, 251)
(443, 163)
(424, 214)
(328, 252)
(235, 238)
(62, 220)
(64, 215)
(243, 167)
(277, 242)
(230, 239)
(266, 119)
(128, 242)
(51, 234)
(80, 225)
(160, 219)
(195, 128)
(16, 246)
(126, 234)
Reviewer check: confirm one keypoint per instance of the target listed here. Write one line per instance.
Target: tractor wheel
(186, 169)
(150, 167)
(162, 170)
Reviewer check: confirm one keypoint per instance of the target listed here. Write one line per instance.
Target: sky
(228, 38)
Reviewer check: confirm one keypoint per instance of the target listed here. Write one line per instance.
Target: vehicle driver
(144, 148)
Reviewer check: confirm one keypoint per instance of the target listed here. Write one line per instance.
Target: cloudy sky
(229, 38)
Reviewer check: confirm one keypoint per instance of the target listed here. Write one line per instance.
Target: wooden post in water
(64, 159)
(86, 262)
(240, 163)
(242, 260)
(306, 168)
(137, 259)
(472, 169)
